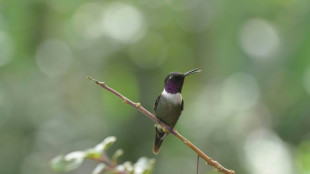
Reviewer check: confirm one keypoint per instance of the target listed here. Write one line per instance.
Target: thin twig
(174, 132)
(197, 167)
(109, 166)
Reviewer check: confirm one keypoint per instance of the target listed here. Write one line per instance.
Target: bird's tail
(159, 138)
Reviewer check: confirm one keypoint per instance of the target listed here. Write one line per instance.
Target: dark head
(174, 81)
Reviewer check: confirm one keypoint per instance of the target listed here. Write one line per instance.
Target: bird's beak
(196, 70)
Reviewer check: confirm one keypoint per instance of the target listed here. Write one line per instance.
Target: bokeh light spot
(240, 91)
(123, 22)
(53, 57)
(259, 39)
(87, 20)
(266, 153)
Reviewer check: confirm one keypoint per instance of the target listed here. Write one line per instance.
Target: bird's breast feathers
(173, 98)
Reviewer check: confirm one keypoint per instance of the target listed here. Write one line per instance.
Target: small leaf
(116, 155)
(99, 169)
(105, 144)
(127, 167)
(144, 166)
(92, 154)
(69, 162)
(77, 155)
(96, 152)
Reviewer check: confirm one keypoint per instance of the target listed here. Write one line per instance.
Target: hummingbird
(169, 105)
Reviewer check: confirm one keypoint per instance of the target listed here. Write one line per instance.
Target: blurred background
(249, 108)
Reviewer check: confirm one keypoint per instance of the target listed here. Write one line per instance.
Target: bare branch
(174, 132)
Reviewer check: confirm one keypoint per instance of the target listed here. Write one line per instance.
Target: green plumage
(168, 112)
(169, 104)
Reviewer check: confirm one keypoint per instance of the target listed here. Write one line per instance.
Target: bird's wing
(156, 103)
(182, 105)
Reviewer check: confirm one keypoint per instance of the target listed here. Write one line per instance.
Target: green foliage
(99, 168)
(116, 155)
(71, 161)
(97, 151)
(105, 144)
(303, 157)
(144, 165)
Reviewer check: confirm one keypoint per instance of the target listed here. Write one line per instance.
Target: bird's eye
(170, 77)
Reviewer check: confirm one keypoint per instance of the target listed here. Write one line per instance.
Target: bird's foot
(165, 130)
(170, 129)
